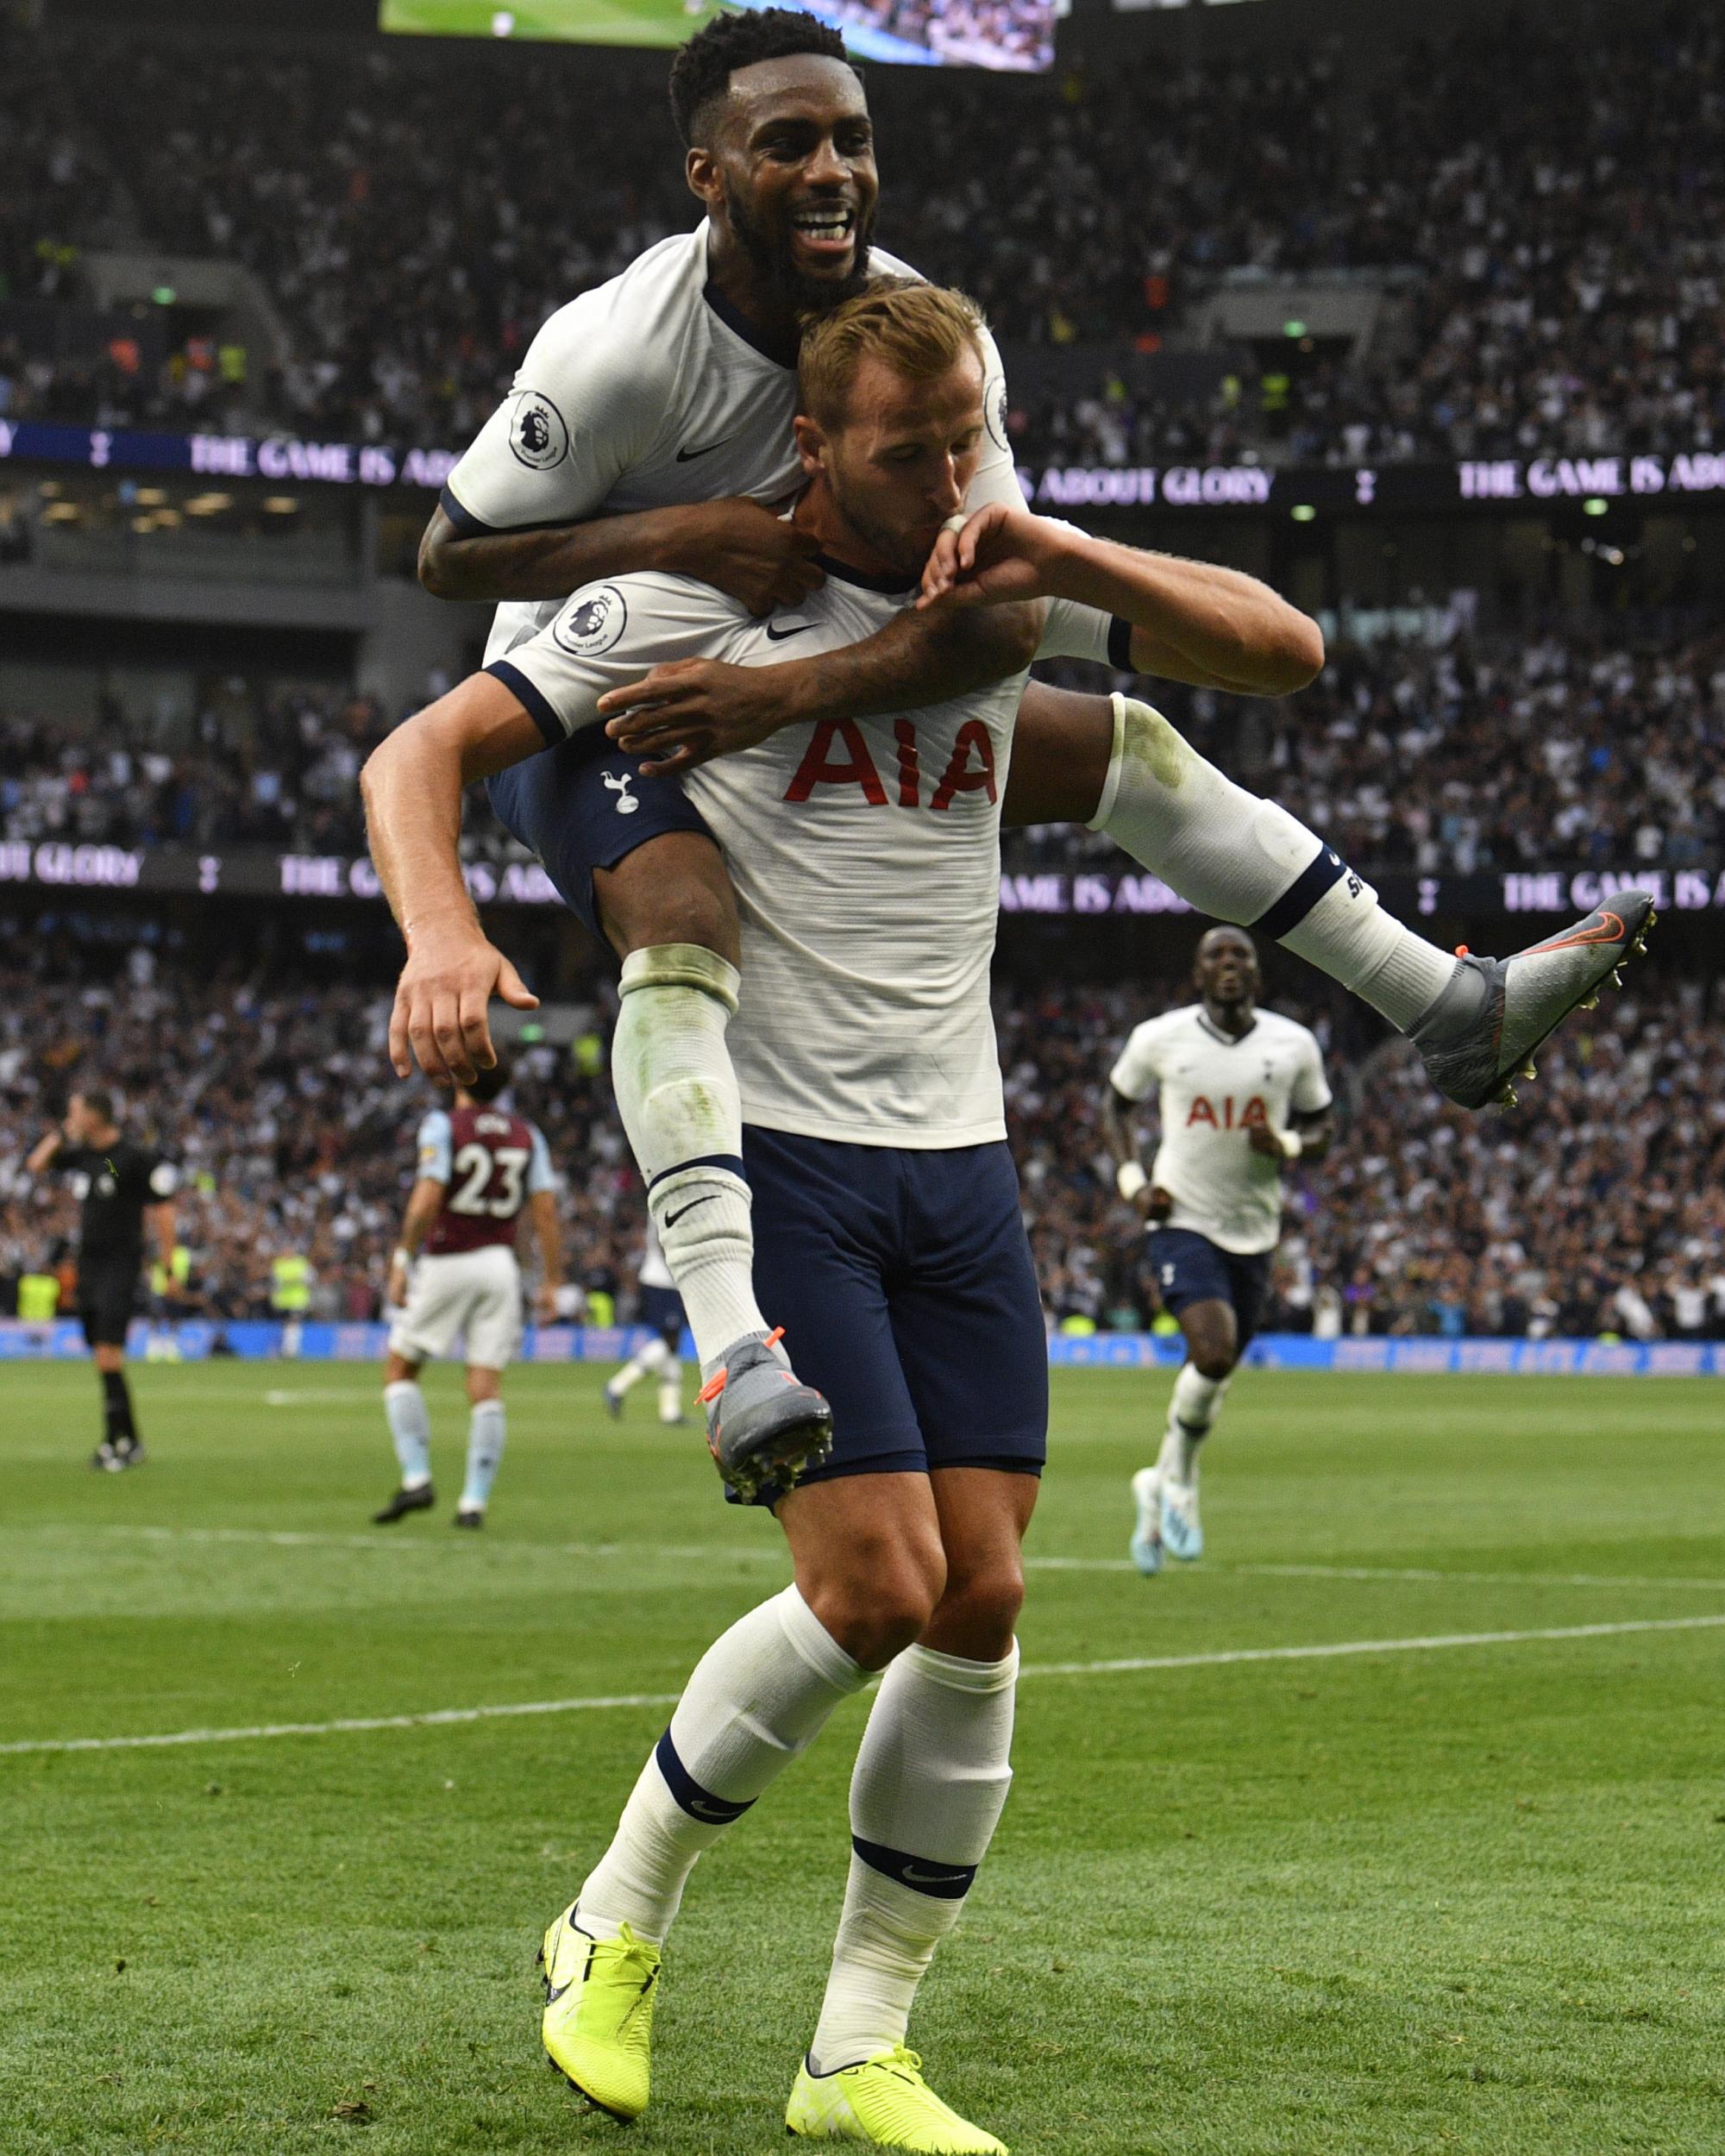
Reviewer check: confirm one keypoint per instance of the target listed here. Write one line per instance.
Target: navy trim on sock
(943, 1882)
(1120, 644)
(699, 1803)
(731, 1163)
(1302, 895)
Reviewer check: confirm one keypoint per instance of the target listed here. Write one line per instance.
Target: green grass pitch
(665, 23)
(1458, 1898)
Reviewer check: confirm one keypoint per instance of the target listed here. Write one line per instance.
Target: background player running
(661, 1307)
(122, 1188)
(480, 1167)
(1240, 1092)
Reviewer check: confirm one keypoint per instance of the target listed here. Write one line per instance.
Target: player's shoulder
(624, 329)
(1284, 1028)
(648, 608)
(434, 1127)
(1182, 1018)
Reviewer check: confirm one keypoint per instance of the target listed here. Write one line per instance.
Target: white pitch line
(704, 1553)
(1124, 1666)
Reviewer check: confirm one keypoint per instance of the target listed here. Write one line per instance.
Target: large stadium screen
(1017, 35)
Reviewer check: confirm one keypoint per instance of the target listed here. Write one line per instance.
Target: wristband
(402, 1256)
(1130, 1179)
(1291, 1143)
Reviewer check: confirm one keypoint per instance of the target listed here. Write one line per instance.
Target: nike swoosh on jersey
(688, 457)
(796, 629)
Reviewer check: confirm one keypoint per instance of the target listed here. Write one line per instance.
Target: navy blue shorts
(905, 1285)
(1190, 1268)
(662, 1308)
(583, 805)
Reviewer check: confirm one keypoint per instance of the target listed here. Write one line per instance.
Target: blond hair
(921, 332)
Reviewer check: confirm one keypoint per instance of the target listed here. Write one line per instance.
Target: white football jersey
(1211, 1090)
(865, 854)
(647, 392)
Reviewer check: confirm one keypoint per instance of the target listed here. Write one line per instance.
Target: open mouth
(826, 232)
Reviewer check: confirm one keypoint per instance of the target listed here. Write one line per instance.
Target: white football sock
(411, 1427)
(758, 1696)
(654, 1357)
(487, 1428)
(671, 1394)
(1244, 859)
(677, 1094)
(930, 1781)
(1197, 1401)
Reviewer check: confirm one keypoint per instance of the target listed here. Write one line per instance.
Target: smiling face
(785, 166)
(897, 456)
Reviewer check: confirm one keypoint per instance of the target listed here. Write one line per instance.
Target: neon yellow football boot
(598, 2028)
(885, 2103)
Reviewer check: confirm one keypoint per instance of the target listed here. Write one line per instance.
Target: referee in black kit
(119, 1185)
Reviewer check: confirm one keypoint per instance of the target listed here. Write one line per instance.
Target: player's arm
(1309, 1136)
(159, 1220)
(1120, 1126)
(43, 1151)
(688, 712)
(412, 786)
(424, 1203)
(1190, 621)
(749, 552)
(549, 1232)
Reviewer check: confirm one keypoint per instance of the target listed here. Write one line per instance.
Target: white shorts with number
(470, 1294)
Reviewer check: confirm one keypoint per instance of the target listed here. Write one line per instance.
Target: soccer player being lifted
(121, 1187)
(888, 1229)
(454, 1275)
(650, 430)
(1240, 1093)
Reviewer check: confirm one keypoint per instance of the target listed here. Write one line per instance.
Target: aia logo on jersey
(592, 622)
(537, 436)
(1253, 1114)
(838, 756)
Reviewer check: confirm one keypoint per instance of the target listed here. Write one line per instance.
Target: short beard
(782, 281)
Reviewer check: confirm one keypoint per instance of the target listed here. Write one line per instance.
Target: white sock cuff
(682, 966)
(816, 1645)
(669, 1180)
(1111, 784)
(403, 1388)
(959, 1674)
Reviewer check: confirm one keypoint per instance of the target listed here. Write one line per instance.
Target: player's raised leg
(930, 1783)
(1476, 1022)
(656, 886)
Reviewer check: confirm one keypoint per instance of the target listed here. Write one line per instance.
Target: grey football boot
(1484, 1030)
(764, 1425)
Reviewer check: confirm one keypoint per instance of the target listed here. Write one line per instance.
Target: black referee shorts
(107, 1295)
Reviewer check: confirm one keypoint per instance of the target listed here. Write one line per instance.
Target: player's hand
(999, 556)
(544, 1305)
(751, 555)
(395, 1288)
(689, 711)
(1155, 1203)
(1263, 1139)
(441, 1004)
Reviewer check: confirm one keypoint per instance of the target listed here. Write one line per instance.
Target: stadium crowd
(1479, 753)
(1549, 201)
(1599, 1206)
